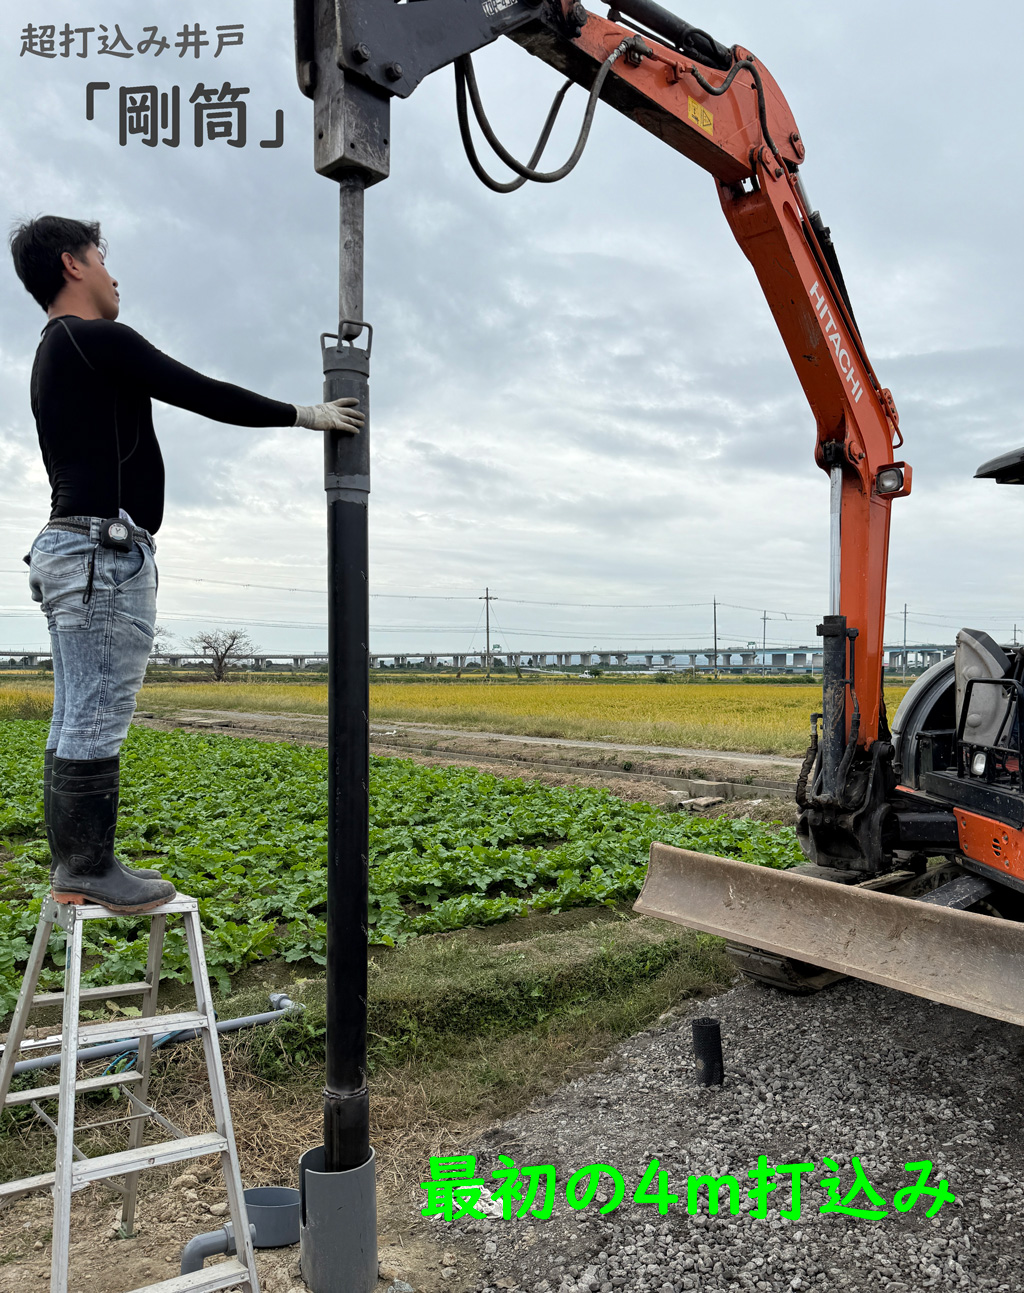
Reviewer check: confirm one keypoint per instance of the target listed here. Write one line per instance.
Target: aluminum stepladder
(73, 1170)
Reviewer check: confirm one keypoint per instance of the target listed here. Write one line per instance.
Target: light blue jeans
(100, 606)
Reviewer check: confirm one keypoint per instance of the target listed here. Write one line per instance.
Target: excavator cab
(1007, 469)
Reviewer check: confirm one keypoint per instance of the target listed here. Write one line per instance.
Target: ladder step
(222, 1276)
(92, 994)
(132, 1160)
(136, 1160)
(92, 911)
(112, 1030)
(15, 1189)
(100, 1083)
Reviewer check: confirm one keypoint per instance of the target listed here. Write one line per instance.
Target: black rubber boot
(147, 873)
(83, 819)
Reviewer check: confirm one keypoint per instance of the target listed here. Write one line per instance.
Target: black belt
(135, 532)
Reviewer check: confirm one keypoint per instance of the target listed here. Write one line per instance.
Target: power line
(794, 616)
(462, 597)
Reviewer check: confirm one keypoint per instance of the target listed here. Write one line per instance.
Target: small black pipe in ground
(707, 1051)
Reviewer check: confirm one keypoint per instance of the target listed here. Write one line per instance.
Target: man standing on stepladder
(92, 566)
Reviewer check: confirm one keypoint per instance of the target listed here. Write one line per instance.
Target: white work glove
(338, 415)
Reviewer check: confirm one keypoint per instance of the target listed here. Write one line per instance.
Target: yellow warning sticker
(700, 116)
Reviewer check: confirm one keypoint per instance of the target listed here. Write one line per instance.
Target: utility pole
(764, 643)
(487, 599)
(1015, 635)
(714, 605)
(904, 641)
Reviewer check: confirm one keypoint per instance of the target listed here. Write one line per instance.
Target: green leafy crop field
(241, 825)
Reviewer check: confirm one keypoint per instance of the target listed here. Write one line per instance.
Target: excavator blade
(959, 958)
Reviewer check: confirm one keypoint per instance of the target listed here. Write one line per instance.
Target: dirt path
(759, 786)
(418, 730)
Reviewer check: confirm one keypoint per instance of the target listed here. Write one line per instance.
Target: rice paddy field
(762, 718)
(711, 716)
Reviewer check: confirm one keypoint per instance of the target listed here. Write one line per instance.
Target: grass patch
(768, 719)
(26, 702)
(446, 987)
(235, 694)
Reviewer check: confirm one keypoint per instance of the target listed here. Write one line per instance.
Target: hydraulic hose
(502, 186)
(745, 65)
(465, 77)
(667, 26)
(848, 753)
(807, 767)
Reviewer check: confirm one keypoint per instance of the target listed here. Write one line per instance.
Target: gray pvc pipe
(284, 1005)
(211, 1244)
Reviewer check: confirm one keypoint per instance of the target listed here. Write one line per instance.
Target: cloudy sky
(580, 399)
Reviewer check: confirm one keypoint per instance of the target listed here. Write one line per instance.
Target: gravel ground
(856, 1070)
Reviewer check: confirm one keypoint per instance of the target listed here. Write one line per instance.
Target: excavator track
(780, 971)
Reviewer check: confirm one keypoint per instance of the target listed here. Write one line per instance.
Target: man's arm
(120, 353)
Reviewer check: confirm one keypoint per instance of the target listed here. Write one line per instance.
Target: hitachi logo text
(835, 338)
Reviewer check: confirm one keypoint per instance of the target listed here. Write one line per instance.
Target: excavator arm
(723, 110)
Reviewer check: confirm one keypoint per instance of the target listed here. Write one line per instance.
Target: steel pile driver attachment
(908, 827)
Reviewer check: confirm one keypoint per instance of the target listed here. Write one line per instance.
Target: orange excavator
(912, 831)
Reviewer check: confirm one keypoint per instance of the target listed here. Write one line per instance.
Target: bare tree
(163, 639)
(223, 646)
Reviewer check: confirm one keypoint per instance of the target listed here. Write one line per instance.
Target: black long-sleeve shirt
(92, 384)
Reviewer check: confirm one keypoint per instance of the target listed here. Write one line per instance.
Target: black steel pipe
(707, 1051)
(347, 482)
(682, 34)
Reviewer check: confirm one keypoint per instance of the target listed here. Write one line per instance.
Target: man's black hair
(37, 247)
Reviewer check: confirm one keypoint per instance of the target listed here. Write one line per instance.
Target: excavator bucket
(960, 958)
